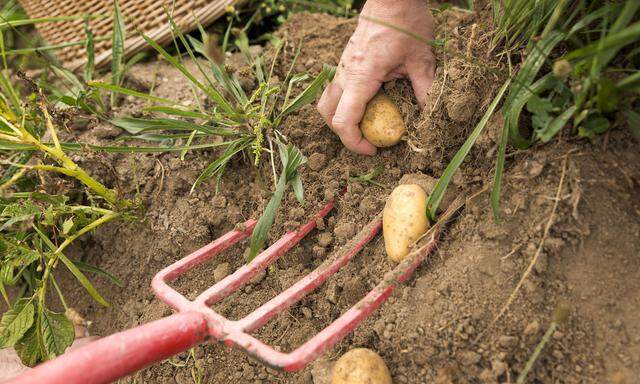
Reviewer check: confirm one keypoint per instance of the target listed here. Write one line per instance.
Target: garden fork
(195, 322)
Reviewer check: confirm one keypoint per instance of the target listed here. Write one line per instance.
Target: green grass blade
(136, 126)
(214, 94)
(130, 92)
(177, 111)
(10, 24)
(521, 88)
(309, 94)
(82, 279)
(497, 176)
(556, 125)
(217, 167)
(117, 48)
(89, 66)
(98, 271)
(630, 83)
(611, 44)
(291, 158)
(441, 186)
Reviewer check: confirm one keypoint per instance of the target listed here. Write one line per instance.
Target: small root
(535, 257)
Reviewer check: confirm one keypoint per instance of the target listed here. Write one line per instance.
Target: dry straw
(146, 16)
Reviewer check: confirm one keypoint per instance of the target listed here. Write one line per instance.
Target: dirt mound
(436, 328)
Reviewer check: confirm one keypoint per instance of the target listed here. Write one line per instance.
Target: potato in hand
(382, 124)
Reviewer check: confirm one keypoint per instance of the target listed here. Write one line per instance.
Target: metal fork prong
(284, 300)
(243, 274)
(205, 253)
(169, 295)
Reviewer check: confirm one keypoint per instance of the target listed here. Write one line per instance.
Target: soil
(437, 328)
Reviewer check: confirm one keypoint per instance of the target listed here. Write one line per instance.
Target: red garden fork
(123, 353)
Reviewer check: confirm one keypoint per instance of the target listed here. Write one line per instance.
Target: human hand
(377, 53)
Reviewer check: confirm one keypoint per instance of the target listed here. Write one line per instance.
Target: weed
(369, 177)
(584, 88)
(247, 123)
(38, 223)
(560, 317)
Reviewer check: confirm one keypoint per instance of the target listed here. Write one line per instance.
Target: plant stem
(78, 173)
(50, 264)
(60, 295)
(96, 223)
(536, 353)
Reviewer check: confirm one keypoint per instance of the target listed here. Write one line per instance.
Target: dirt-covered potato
(360, 365)
(382, 123)
(404, 220)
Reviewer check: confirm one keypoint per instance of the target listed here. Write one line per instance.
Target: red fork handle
(120, 354)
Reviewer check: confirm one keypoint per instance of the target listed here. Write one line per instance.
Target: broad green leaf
(441, 186)
(28, 348)
(607, 98)
(18, 212)
(57, 333)
(593, 126)
(15, 322)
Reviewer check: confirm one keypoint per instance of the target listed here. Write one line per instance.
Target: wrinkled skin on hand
(377, 53)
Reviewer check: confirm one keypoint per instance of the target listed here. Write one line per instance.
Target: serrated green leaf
(67, 225)
(57, 333)
(28, 348)
(15, 322)
(14, 213)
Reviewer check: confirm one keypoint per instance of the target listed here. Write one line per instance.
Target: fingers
(357, 93)
(343, 110)
(329, 101)
(421, 73)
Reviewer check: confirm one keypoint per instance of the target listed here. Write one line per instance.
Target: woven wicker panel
(147, 16)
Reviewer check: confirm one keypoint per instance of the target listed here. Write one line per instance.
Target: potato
(359, 366)
(382, 123)
(404, 220)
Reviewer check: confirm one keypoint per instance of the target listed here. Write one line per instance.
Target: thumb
(421, 73)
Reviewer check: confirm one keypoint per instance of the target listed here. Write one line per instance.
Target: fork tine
(243, 274)
(284, 300)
